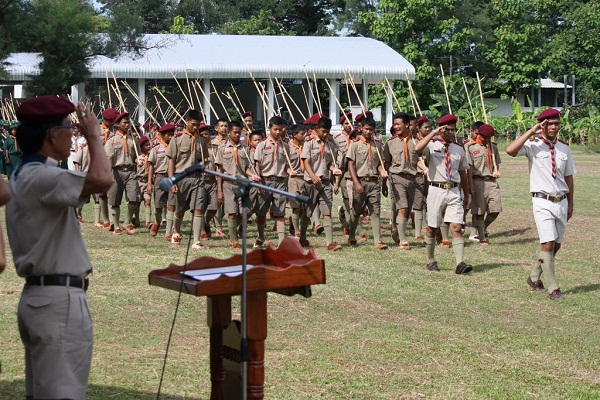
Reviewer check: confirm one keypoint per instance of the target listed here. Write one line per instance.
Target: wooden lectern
(286, 270)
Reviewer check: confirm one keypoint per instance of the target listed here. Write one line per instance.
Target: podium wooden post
(287, 270)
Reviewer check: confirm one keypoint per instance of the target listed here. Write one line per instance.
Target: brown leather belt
(444, 185)
(485, 178)
(554, 199)
(369, 178)
(125, 168)
(58, 280)
(275, 178)
(405, 175)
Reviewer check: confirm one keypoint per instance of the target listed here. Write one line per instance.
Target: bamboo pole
(187, 79)
(291, 99)
(393, 95)
(220, 100)
(306, 99)
(275, 95)
(486, 120)
(285, 101)
(412, 94)
(136, 97)
(469, 99)
(362, 106)
(317, 94)
(182, 92)
(265, 107)
(169, 103)
(207, 99)
(312, 94)
(446, 90)
(108, 89)
(227, 95)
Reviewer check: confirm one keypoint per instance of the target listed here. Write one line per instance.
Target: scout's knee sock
(474, 230)
(458, 245)
(210, 217)
(148, 214)
(489, 219)
(296, 222)
(424, 218)
(104, 209)
(328, 225)
(304, 222)
(280, 231)
(479, 225)
(546, 262)
(157, 216)
(232, 228)
(430, 246)
(352, 226)
(170, 218)
(418, 222)
(96, 213)
(316, 216)
(219, 218)
(376, 225)
(444, 230)
(115, 215)
(177, 223)
(401, 226)
(197, 225)
(164, 214)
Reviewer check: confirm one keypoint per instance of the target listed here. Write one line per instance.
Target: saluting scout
(551, 170)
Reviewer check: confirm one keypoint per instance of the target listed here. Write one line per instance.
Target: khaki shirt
(158, 158)
(121, 149)
(394, 154)
(226, 159)
(271, 164)
(41, 221)
(180, 149)
(364, 165)
(296, 158)
(477, 158)
(434, 156)
(82, 157)
(319, 163)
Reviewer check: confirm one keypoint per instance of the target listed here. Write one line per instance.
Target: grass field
(381, 328)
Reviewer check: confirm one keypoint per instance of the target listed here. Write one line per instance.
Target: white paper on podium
(213, 273)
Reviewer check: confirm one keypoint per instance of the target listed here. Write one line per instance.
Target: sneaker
(484, 242)
(380, 246)
(258, 244)
(556, 295)
(446, 244)
(130, 229)
(474, 238)
(176, 239)
(362, 237)
(116, 231)
(204, 236)
(536, 286)
(333, 246)
(404, 246)
(198, 246)
(433, 266)
(463, 268)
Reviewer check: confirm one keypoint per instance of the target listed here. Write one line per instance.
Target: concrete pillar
(206, 100)
(311, 102)
(365, 94)
(77, 92)
(388, 109)
(334, 110)
(271, 97)
(18, 92)
(141, 93)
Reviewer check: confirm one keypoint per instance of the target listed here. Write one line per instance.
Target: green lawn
(381, 328)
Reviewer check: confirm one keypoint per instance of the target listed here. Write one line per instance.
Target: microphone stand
(243, 192)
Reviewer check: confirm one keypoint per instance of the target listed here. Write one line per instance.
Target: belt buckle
(447, 185)
(555, 199)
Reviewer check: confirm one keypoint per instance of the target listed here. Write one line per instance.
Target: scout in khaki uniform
(220, 139)
(551, 170)
(365, 164)
(296, 179)
(158, 163)
(343, 141)
(107, 129)
(81, 162)
(185, 150)
(233, 159)
(271, 163)
(484, 159)
(142, 177)
(420, 203)
(48, 249)
(401, 161)
(319, 163)
(209, 190)
(122, 151)
(448, 166)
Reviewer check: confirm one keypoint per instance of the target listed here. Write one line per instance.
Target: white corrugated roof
(550, 84)
(235, 56)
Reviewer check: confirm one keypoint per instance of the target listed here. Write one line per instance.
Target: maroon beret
(422, 119)
(486, 130)
(143, 140)
(248, 114)
(361, 116)
(110, 114)
(44, 109)
(354, 133)
(346, 116)
(204, 127)
(75, 124)
(121, 116)
(150, 125)
(314, 119)
(167, 128)
(447, 119)
(550, 113)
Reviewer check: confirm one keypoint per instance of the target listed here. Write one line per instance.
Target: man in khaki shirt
(158, 164)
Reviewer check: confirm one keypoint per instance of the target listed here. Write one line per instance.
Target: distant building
(548, 94)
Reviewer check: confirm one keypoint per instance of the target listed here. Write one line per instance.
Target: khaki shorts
(231, 203)
(444, 205)
(209, 192)
(321, 195)
(296, 186)
(272, 201)
(56, 330)
(403, 191)
(420, 198)
(486, 197)
(550, 219)
(124, 182)
(189, 195)
(370, 198)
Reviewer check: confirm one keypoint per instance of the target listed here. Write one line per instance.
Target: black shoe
(432, 266)
(556, 295)
(536, 286)
(463, 268)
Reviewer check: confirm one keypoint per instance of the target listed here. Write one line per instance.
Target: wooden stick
(306, 98)
(207, 99)
(136, 97)
(446, 90)
(182, 92)
(291, 99)
(469, 99)
(412, 94)
(265, 107)
(275, 95)
(171, 105)
(190, 90)
(160, 109)
(237, 109)
(334, 96)
(238, 99)
(312, 94)
(362, 106)
(393, 95)
(317, 94)
(285, 101)
(108, 89)
(220, 101)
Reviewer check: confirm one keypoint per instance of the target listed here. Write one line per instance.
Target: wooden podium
(286, 270)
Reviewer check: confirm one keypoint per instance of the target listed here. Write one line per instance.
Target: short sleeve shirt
(232, 163)
(272, 158)
(394, 154)
(435, 158)
(365, 164)
(158, 158)
(121, 149)
(311, 150)
(187, 151)
(477, 158)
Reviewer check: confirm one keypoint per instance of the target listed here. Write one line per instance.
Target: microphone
(167, 183)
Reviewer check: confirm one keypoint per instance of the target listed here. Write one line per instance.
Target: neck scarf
(551, 145)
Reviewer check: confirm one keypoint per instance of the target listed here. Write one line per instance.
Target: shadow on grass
(16, 390)
(584, 288)
(488, 267)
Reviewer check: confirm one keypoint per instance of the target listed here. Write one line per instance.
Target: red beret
(150, 125)
(354, 133)
(167, 128)
(314, 119)
(75, 124)
(486, 130)
(361, 116)
(248, 114)
(121, 116)
(143, 140)
(204, 127)
(110, 113)
(346, 116)
(422, 119)
(550, 113)
(44, 109)
(447, 119)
